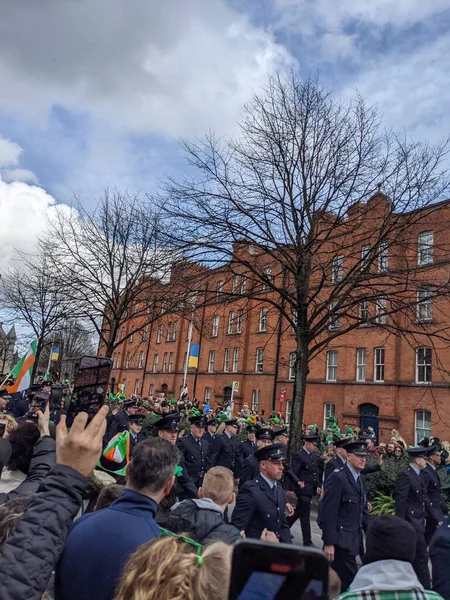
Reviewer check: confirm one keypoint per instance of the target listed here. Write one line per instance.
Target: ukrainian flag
(193, 356)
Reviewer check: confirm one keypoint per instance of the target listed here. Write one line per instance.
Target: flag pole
(191, 327)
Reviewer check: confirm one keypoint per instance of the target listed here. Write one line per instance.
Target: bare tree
(308, 202)
(111, 262)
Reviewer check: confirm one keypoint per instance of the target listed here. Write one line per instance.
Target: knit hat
(390, 537)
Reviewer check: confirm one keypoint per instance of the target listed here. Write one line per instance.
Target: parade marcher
(250, 466)
(195, 450)
(210, 433)
(249, 447)
(434, 492)
(226, 451)
(305, 467)
(135, 429)
(261, 503)
(282, 437)
(413, 505)
(122, 419)
(117, 452)
(439, 557)
(344, 513)
(340, 459)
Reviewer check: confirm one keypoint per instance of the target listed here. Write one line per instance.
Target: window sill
(424, 321)
(423, 382)
(234, 333)
(261, 331)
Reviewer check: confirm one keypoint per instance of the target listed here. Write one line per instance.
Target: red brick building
(369, 376)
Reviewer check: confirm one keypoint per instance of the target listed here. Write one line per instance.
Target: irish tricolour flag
(22, 371)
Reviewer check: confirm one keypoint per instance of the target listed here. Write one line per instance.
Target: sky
(99, 93)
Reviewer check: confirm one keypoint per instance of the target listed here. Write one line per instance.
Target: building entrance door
(368, 417)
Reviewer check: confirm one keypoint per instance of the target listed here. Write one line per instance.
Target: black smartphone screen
(90, 386)
(262, 571)
(39, 401)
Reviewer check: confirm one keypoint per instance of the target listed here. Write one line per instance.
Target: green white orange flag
(22, 371)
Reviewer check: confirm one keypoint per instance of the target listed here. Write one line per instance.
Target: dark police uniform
(261, 506)
(343, 516)
(304, 466)
(226, 452)
(434, 493)
(248, 448)
(195, 452)
(135, 439)
(413, 505)
(439, 553)
(121, 421)
(250, 466)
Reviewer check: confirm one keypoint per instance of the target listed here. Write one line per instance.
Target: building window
(263, 319)
(259, 365)
(361, 359)
(235, 360)
(136, 387)
(215, 326)
(219, 289)
(211, 359)
(243, 284)
(235, 284)
(165, 360)
(288, 411)
(425, 248)
(383, 257)
(136, 308)
(117, 365)
(332, 358)
(424, 304)
(231, 322)
(127, 361)
(422, 423)
(171, 332)
(423, 365)
(155, 363)
(208, 395)
(226, 360)
(292, 361)
(132, 338)
(239, 321)
(328, 411)
(294, 320)
(144, 333)
(171, 359)
(363, 312)
(337, 269)
(380, 310)
(267, 280)
(378, 371)
(255, 400)
(151, 389)
(159, 334)
(335, 318)
(365, 257)
(141, 360)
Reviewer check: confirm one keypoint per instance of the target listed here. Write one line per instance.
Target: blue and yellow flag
(193, 356)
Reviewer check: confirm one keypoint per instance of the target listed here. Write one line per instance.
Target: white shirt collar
(271, 483)
(353, 472)
(415, 469)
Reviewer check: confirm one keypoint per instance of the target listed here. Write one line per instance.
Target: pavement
(316, 533)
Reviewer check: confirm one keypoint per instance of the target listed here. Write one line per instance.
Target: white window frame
(383, 258)
(151, 389)
(207, 395)
(256, 400)
(267, 274)
(131, 338)
(165, 362)
(422, 424)
(171, 361)
(365, 251)
(231, 321)
(424, 365)
(137, 384)
(335, 318)
(159, 334)
(332, 365)
(425, 248)
(379, 364)
(337, 269)
(361, 364)
(263, 313)
(380, 310)
(239, 319)
(219, 289)
(243, 285)
(363, 307)
(215, 326)
(292, 361)
(288, 411)
(329, 410)
(226, 361)
(234, 284)
(144, 333)
(141, 360)
(211, 361)
(235, 365)
(259, 360)
(155, 363)
(424, 308)
(128, 360)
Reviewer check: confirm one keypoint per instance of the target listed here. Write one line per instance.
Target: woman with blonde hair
(176, 568)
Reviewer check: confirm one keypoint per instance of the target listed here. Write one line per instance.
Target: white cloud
(24, 175)
(9, 153)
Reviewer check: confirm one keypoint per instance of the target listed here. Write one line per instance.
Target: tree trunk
(298, 400)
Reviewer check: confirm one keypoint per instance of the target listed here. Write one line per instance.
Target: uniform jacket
(195, 453)
(343, 510)
(433, 488)
(337, 463)
(120, 423)
(248, 449)
(304, 466)
(249, 471)
(99, 545)
(226, 453)
(439, 556)
(209, 437)
(411, 500)
(134, 441)
(257, 508)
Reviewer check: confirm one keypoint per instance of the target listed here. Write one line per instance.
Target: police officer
(194, 449)
(122, 419)
(250, 466)
(210, 433)
(261, 503)
(135, 429)
(340, 459)
(249, 447)
(413, 505)
(304, 466)
(226, 450)
(434, 492)
(344, 513)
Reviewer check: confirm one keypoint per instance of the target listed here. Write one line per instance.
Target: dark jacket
(195, 453)
(226, 452)
(120, 423)
(304, 466)
(343, 511)
(99, 545)
(44, 459)
(248, 449)
(337, 464)
(440, 560)
(434, 493)
(411, 500)
(257, 508)
(30, 554)
(249, 471)
(203, 521)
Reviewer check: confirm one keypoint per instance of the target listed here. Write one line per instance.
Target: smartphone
(90, 385)
(3, 425)
(56, 396)
(39, 401)
(265, 571)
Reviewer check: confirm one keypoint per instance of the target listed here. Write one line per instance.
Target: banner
(193, 356)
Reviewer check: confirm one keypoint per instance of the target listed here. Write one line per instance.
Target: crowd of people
(148, 499)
